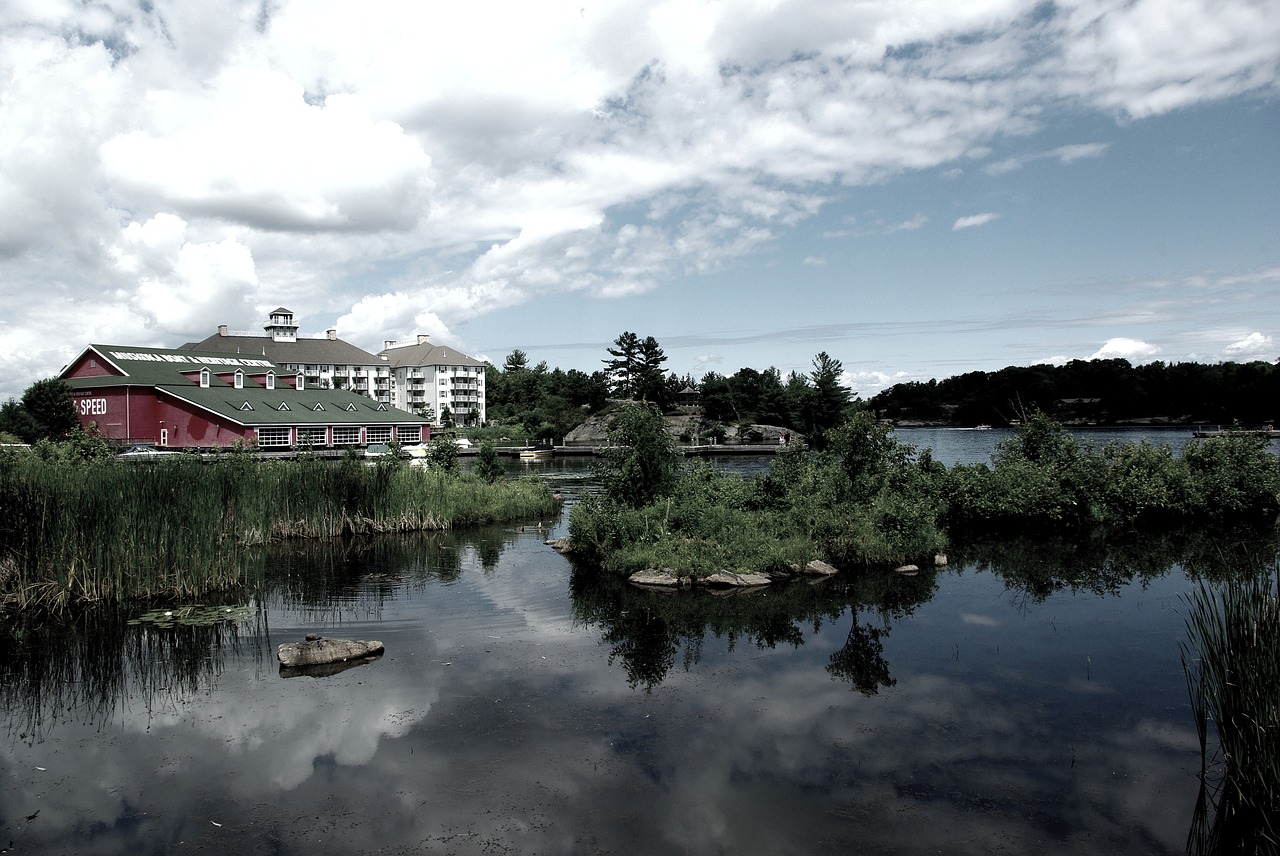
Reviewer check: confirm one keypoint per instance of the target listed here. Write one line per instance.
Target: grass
(1232, 662)
(180, 528)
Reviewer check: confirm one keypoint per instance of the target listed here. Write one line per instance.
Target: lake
(1028, 698)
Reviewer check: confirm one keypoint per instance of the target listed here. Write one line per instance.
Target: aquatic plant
(178, 528)
(1232, 663)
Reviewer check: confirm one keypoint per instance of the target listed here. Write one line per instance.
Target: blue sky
(919, 189)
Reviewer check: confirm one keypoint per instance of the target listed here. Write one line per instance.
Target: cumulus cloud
(972, 220)
(1253, 345)
(418, 164)
(1129, 349)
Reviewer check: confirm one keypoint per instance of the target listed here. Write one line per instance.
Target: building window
(409, 434)
(204, 378)
(273, 437)
(246, 406)
(346, 436)
(284, 405)
(319, 407)
(298, 384)
(378, 434)
(239, 379)
(271, 380)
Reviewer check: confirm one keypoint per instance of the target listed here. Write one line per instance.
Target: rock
(560, 545)
(729, 578)
(315, 652)
(940, 560)
(818, 568)
(907, 570)
(663, 578)
(326, 670)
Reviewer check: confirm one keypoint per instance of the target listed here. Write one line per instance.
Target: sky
(918, 189)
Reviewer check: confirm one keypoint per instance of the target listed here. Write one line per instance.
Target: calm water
(1028, 699)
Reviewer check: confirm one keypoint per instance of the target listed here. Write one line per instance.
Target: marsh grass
(180, 528)
(1232, 663)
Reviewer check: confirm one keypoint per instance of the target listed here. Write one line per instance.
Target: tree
(17, 422)
(517, 360)
(642, 462)
(49, 403)
(649, 381)
(622, 368)
(488, 467)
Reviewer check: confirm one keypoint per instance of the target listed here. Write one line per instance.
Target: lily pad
(195, 615)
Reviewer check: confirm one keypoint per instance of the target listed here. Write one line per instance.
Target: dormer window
(298, 383)
(284, 405)
(239, 379)
(319, 407)
(271, 380)
(204, 378)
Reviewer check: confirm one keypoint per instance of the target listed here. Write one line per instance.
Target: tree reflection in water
(647, 630)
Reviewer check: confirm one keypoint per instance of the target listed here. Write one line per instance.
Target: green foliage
(488, 468)
(642, 462)
(868, 499)
(49, 403)
(442, 456)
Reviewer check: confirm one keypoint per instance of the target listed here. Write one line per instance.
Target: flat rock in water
(907, 570)
(819, 568)
(654, 578)
(729, 578)
(315, 652)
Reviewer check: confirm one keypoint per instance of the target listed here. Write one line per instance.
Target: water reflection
(1024, 699)
(648, 631)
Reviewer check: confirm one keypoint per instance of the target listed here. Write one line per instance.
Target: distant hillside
(1104, 392)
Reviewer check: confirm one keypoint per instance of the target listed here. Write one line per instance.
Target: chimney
(331, 334)
(222, 329)
(388, 344)
(423, 338)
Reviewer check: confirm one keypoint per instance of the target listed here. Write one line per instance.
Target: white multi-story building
(443, 379)
(418, 377)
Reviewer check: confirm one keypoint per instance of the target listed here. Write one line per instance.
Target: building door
(164, 436)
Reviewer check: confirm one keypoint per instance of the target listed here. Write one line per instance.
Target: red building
(193, 399)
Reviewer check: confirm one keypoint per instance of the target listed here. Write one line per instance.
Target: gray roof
(427, 354)
(323, 351)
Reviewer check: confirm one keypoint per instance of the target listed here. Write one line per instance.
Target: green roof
(163, 369)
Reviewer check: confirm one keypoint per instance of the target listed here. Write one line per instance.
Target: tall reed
(1232, 663)
(177, 528)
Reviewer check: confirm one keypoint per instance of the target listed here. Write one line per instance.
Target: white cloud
(973, 220)
(464, 159)
(1255, 345)
(1063, 154)
(1129, 349)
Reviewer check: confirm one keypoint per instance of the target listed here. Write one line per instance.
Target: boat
(538, 453)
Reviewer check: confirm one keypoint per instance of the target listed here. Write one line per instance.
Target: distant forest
(1093, 391)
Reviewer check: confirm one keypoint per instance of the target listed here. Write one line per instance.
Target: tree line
(1093, 391)
(550, 402)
